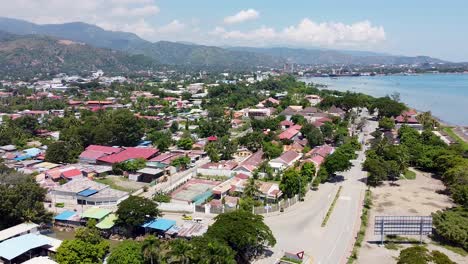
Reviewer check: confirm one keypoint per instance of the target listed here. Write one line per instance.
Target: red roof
(406, 119)
(104, 149)
(286, 123)
(289, 133)
(130, 153)
(92, 155)
(71, 173)
(99, 102)
(212, 138)
(324, 119)
(323, 151)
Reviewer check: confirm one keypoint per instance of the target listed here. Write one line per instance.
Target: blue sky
(417, 27)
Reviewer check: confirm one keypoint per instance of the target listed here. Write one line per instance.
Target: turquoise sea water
(445, 95)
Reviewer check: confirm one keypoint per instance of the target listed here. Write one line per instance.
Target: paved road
(300, 228)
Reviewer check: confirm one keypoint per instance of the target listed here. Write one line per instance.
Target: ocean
(445, 95)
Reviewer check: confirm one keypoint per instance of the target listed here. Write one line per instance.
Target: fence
(266, 209)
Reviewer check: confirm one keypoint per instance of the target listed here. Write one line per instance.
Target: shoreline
(442, 95)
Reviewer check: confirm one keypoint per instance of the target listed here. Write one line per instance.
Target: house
(335, 111)
(87, 192)
(313, 99)
(18, 230)
(284, 161)
(149, 174)
(24, 247)
(93, 152)
(250, 164)
(222, 168)
(285, 124)
(323, 151)
(71, 174)
(129, 154)
(258, 113)
(268, 102)
(290, 133)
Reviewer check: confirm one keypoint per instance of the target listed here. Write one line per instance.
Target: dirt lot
(409, 198)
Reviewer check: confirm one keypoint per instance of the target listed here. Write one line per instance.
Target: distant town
(214, 168)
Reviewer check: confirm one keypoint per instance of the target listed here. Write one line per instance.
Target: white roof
(40, 260)
(150, 171)
(16, 230)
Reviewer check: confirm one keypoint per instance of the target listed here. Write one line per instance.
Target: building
(222, 168)
(93, 152)
(129, 154)
(23, 248)
(18, 230)
(284, 161)
(250, 164)
(258, 113)
(87, 192)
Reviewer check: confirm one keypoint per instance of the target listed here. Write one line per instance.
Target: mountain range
(128, 51)
(32, 55)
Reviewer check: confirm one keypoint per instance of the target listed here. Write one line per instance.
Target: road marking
(346, 198)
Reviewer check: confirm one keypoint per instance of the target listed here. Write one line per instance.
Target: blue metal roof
(13, 247)
(65, 215)
(23, 157)
(32, 152)
(160, 224)
(87, 192)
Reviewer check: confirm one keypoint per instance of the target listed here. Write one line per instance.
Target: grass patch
(409, 175)
(112, 184)
(458, 250)
(455, 137)
(392, 246)
(290, 260)
(332, 206)
(362, 229)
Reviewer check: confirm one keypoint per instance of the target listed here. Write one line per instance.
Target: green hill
(32, 55)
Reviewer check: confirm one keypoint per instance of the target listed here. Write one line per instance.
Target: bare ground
(407, 198)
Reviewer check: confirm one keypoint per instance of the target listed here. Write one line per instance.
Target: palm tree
(218, 253)
(180, 252)
(152, 249)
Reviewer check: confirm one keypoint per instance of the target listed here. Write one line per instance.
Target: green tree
(78, 251)
(181, 162)
(414, 255)
(208, 250)
(87, 247)
(212, 152)
(451, 225)
(135, 211)
(308, 171)
(27, 123)
(272, 150)
(127, 252)
(293, 183)
(21, 200)
(244, 232)
(386, 123)
(180, 251)
(174, 126)
(327, 130)
(185, 143)
(127, 129)
(63, 151)
(153, 250)
(161, 139)
(337, 161)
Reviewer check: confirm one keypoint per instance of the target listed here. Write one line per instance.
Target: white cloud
(135, 11)
(308, 33)
(174, 27)
(242, 16)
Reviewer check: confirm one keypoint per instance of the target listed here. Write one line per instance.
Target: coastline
(444, 94)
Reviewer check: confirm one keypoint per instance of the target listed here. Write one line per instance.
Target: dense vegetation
(21, 199)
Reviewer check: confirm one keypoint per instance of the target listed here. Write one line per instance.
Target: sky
(410, 27)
